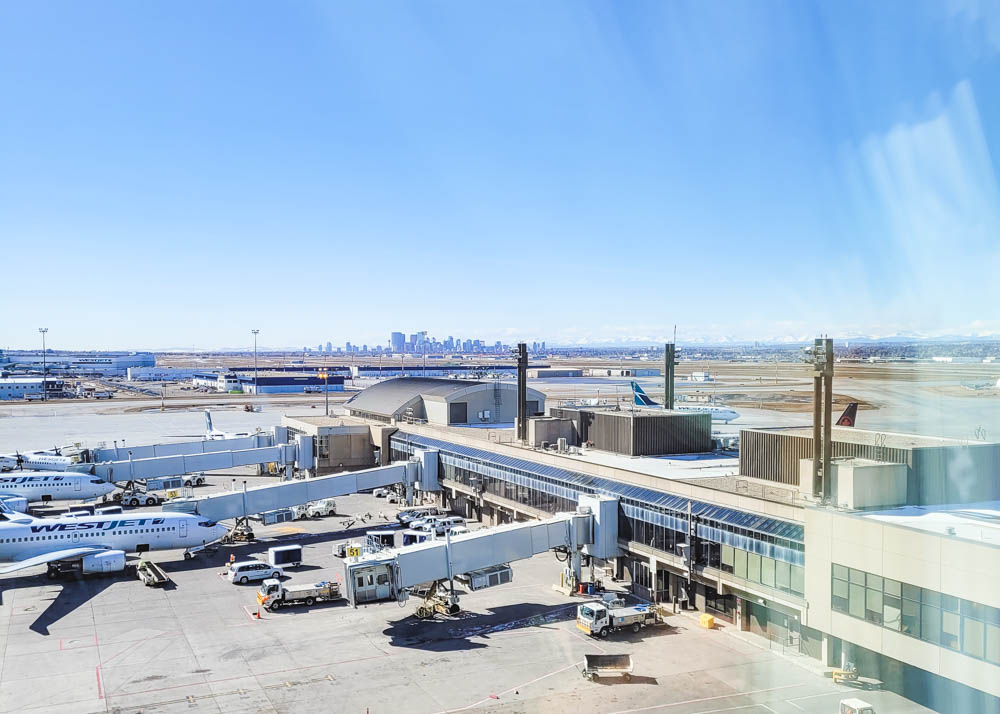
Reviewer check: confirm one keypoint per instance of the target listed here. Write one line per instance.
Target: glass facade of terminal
(654, 518)
(944, 620)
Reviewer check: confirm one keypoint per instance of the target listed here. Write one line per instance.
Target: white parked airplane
(718, 413)
(213, 434)
(42, 486)
(41, 460)
(98, 543)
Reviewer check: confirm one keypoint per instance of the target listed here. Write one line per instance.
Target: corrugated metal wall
(935, 474)
(672, 434)
(642, 434)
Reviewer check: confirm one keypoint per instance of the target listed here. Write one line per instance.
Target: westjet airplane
(718, 413)
(42, 486)
(98, 544)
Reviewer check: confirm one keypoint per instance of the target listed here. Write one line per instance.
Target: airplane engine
(112, 561)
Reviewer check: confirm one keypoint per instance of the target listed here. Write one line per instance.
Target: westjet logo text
(98, 525)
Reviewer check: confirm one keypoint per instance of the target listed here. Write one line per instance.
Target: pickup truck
(601, 618)
(274, 594)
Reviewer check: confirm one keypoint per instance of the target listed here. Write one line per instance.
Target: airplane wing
(67, 554)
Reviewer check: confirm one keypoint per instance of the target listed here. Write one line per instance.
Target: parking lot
(111, 644)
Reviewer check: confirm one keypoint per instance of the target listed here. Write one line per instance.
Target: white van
(458, 530)
(449, 522)
(247, 570)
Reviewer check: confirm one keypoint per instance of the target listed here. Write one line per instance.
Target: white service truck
(274, 594)
(598, 619)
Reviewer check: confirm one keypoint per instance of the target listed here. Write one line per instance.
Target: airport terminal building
(98, 364)
(907, 592)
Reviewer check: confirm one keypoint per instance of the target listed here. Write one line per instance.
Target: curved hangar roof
(393, 396)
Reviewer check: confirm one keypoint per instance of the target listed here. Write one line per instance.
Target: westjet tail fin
(208, 422)
(850, 415)
(640, 398)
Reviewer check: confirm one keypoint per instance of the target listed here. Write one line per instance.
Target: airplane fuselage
(22, 538)
(37, 460)
(53, 487)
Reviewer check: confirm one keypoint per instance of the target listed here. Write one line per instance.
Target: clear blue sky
(175, 173)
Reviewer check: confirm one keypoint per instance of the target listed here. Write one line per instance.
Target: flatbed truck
(274, 594)
(599, 619)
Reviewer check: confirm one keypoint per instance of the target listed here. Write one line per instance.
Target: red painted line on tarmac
(60, 644)
(100, 692)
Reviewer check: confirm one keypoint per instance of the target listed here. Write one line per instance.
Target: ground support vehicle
(274, 594)
(323, 507)
(855, 706)
(849, 676)
(599, 619)
(285, 556)
(607, 665)
(151, 574)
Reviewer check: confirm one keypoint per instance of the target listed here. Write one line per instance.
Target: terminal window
(938, 618)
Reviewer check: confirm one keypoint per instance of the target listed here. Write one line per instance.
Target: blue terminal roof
(724, 514)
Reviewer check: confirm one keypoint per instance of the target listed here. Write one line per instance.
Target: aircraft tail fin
(850, 415)
(208, 422)
(640, 398)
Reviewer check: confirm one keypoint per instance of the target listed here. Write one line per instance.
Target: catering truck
(598, 619)
(274, 594)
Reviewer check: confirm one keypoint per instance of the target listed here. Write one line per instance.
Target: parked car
(247, 570)
(412, 514)
(380, 492)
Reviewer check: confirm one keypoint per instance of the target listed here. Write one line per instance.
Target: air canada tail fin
(640, 397)
(208, 422)
(850, 415)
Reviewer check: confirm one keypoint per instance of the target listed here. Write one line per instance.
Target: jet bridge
(187, 448)
(131, 468)
(388, 574)
(240, 504)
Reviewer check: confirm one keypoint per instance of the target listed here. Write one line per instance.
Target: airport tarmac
(110, 644)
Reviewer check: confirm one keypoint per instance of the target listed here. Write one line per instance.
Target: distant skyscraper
(347, 347)
(319, 348)
(329, 347)
(398, 342)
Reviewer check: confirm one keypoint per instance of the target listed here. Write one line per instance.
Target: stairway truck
(599, 619)
(274, 594)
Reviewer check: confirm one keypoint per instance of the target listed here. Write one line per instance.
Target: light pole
(45, 371)
(325, 376)
(255, 361)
